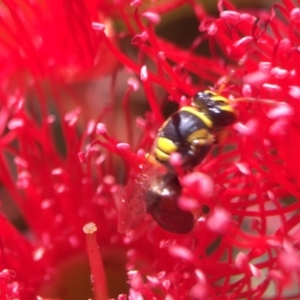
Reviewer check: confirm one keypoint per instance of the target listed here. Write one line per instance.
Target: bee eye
(210, 94)
(221, 103)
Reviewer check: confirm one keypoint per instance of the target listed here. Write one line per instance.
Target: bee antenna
(256, 100)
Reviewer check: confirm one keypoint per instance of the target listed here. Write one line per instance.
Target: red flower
(244, 243)
(237, 249)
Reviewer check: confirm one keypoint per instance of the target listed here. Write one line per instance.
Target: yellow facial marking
(198, 114)
(225, 106)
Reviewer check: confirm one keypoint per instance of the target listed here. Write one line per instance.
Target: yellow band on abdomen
(165, 145)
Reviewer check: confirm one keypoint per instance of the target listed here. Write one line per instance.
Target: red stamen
(98, 278)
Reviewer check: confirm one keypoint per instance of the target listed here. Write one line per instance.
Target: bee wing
(132, 208)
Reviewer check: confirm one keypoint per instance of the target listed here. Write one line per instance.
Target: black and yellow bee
(190, 131)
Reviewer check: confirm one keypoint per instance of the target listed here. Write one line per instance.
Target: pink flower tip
(166, 284)
(89, 228)
(277, 276)
(82, 157)
(247, 129)
(123, 146)
(257, 77)
(219, 221)
(284, 46)
(289, 261)
(101, 129)
(265, 66)
(152, 17)
(50, 119)
(255, 271)
(161, 55)
(200, 275)
(138, 38)
(247, 90)
(136, 3)
(141, 153)
(181, 252)
(144, 73)
(57, 171)
(133, 83)
(273, 88)
(183, 101)
(7, 274)
(176, 159)
(136, 281)
(199, 291)
(144, 36)
(280, 111)
(243, 42)
(243, 168)
(279, 73)
(90, 127)
(295, 15)
(72, 116)
(201, 183)
(109, 180)
(140, 122)
(248, 18)
(230, 15)
(241, 261)
(38, 253)
(98, 26)
(15, 123)
(279, 127)
(20, 162)
(188, 203)
(294, 91)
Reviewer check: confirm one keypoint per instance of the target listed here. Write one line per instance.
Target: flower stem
(95, 261)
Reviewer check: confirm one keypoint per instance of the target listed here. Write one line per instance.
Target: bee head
(216, 107)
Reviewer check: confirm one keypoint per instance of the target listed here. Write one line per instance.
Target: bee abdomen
(187, 132)
(162, 205)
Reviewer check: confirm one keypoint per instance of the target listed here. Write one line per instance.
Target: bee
(190, 131)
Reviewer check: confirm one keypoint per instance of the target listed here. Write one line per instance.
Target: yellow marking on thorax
(198, 114)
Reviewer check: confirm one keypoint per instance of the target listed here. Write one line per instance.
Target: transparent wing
(132, 206)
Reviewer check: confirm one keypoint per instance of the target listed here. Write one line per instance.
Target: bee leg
(197, 151)
(206, 141)
(222, 136)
